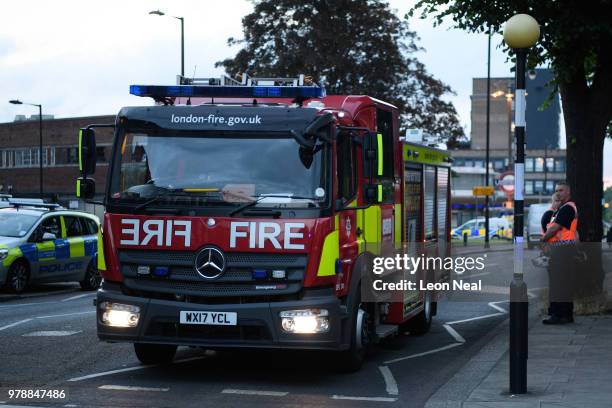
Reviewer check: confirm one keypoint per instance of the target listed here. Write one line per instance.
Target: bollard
(465, 237)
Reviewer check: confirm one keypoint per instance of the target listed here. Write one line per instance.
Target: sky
(78, 58)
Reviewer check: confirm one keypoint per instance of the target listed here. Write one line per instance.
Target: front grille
(241, 332)
(236, 281)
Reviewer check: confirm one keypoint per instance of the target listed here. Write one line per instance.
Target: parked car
(499, 227)
(41, 243)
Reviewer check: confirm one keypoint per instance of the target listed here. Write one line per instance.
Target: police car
(41, 243)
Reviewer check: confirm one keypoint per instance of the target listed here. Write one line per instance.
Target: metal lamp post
(521, 32)
(161, 13)
(40, 148)
(487, 159)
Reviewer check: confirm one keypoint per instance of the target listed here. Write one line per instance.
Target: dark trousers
(561, 272)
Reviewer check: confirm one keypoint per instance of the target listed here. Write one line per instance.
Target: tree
(354, 47)
(576, 40)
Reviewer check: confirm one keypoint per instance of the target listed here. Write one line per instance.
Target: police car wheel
(154, 353)
(92, 278)
(18, 277)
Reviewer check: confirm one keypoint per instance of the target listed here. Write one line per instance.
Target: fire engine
(245, 214)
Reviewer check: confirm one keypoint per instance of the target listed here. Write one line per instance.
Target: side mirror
(48, 236)
(85, 188)
(372, 155)
(87, 151)
(373, 193)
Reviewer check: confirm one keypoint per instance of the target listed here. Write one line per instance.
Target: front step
(385, 330)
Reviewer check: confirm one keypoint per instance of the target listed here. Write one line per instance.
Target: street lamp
(487, 159)
(161, 13)
(40, 148)
(521, 32)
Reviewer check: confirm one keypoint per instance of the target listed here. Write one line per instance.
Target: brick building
(19, 155)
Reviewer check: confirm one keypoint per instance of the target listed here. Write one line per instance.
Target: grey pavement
(568, 366)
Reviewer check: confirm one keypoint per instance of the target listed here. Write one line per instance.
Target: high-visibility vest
(551, 218)
(565, 234)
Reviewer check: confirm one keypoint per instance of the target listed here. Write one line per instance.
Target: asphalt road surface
(49, 343)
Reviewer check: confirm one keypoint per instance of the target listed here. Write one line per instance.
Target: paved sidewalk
(569, 366)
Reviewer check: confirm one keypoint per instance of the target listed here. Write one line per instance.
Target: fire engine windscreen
(223, 169)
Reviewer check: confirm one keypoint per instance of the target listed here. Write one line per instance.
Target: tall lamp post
(487, 159)
(40, 147)
(521, 32)
(161, 13)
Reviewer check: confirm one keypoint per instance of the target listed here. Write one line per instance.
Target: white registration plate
(209, 318)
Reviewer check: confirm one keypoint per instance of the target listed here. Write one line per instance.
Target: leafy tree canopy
(575, 39)
(354, 47)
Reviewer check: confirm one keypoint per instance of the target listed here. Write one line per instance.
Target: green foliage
(354, 47)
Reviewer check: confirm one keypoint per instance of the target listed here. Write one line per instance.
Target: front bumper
(259, 324)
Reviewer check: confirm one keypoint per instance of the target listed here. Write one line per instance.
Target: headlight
(119, 315)
(3, 253)
(305, 321)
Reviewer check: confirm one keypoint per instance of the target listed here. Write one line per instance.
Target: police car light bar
(233, 91)
(32, 203)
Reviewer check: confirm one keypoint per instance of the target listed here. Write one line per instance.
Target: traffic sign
(482, 190)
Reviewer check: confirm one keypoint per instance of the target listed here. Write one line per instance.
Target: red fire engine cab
(247, 214)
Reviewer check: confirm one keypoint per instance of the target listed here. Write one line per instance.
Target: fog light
(305, 321)
(279, 274)
(144, 270)
(119, 315)
(161, 271)
(260, 274)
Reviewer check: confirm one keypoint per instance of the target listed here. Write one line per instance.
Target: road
(49, 342)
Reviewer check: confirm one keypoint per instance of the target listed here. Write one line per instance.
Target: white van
(534, 224)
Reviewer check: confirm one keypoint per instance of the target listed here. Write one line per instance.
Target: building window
(498, 164)
(479, 163)
(528, 187)
(550, 186)
(529, 164)
(560, 164)
(538, 187)
(550, 164)
(459, 161)
(538, 164)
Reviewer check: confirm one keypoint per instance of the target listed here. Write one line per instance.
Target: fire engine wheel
(149, 354)
(352, 359)
(421, 323)
(18, 276)
(92, 278)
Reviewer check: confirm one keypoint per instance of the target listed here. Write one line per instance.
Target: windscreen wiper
(173, 191)
(261, 197)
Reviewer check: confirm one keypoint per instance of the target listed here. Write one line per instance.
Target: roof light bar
(217, 91)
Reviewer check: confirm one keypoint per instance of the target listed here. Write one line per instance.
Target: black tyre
(421, 323)
(149, 354)
(92, 278)
(352, 359)
(18, 276)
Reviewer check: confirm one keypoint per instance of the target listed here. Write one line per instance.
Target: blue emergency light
(209, 91)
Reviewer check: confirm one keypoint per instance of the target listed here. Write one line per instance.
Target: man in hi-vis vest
(561, 236)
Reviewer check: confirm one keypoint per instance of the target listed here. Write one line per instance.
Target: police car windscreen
(227, 169)
(14, 224)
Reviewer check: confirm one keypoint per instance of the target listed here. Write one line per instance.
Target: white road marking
(123, 370)
(8, 326)
(51, 333)
(78, 296)
(65, 314)
(501, 309)
(24, 304)
(448, 346)
(254, 392)
(454, 333)
(475, 318)
(477, 274)
(131, 388)
(374, 399)
(390, 383)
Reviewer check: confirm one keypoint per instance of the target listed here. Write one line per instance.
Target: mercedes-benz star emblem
(210, 263)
